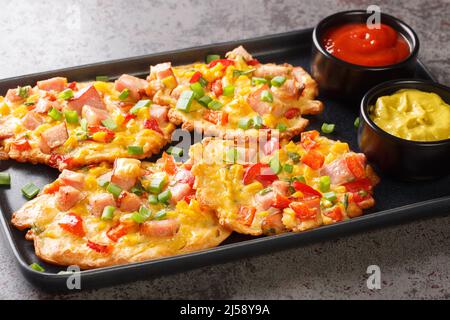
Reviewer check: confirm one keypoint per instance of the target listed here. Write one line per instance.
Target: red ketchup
(357, 44)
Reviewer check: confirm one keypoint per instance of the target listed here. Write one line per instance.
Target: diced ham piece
(162, 228)
(53, 84)
(94, 116)
(55, 136)
(179, 191)
(239, 51)
(281, 187)
(12, 96)
(290, 89)
(99, 201)
(67, 197)
(126, 172)
(159, 113)
(264, 201)
(273, 223)
(31, 120)
(338, 170)
(133, 84)
(129, 202)
(86, 96)
(270, 70)
(44, 105)
(184, 176)
(72, 178)
(255, 102)
(161, 71)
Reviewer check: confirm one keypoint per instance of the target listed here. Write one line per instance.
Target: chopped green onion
(278, 81)
(215, 105)
(288, 168)
(203, 82)
(102, 78)
(5, 179)
(205, 100)
(275, 165)
(157, 184)
(135, 150)
(228, 91)
(245, 123)
(71, 116)
(30, 191)
(84, 124)
(324, 183)
(294, 156)
(298, 178)
(185, 101)
(232, 155)
(124, 94)
(108, 213)
(160, 214)
(266, 96)
(175, 151)
(256, 81)
(257, 122)
(30, 103)
(328, 127)
(237, 73)
(152, 199)
(55, 114)
(137, 189)
(142, 215)
(139, 105)
(345, 201)
(37, 267)
(23, 92)
(197, 89)
(114, 189)
(165, 196)
(110, 124)
(265, 191)
(330, 196)
(66, 94)
(356, 123)
(363, 193)
(281, 127)
(210, 58)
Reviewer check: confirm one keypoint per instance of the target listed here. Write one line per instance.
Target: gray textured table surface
(414, 258)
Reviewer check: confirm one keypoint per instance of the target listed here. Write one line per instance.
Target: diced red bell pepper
(100, 248)
(117, 231)
(260, 172)
(356, 166)
(335, 213)
(246, 215)
(195, 77)
(358, 185)
(72, 223)
(52, 188)
(109, 133)
(152, 124)
(189, 198)
(308, 139)
(292, 113)
(49, 96)
(170, 166)
(280, 201)
(302, 211)
(56, 159)
(314, 159)
(72, 85)
(216, 87)
(253, 62)
(129, 116)
(225, 62)
(21, 144)
(216, 117)
(305, 189)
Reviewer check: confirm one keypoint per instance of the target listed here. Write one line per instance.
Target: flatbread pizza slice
(286, 187)
(235, 96)
(105, 215)
(68, 125)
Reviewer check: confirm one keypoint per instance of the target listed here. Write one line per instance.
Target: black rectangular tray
(396, 201)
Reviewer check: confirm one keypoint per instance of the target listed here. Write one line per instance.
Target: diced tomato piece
(129, 116)
(225, 62)
(253, 62)
(358, 185)
(271, 146)
(335, 213)
(100, 248)
(170, 166)
(356, 166)
(314, 159)
(360, 196)
(305, 189)
(116, 232)
(49, 96)
(21, 144)
(216, 117)
(72, 223)
(302, 211)
(195, 77)
(152, 124)
(260, 172)
(216, 87)
(292, 113)
(72, 85)
(109, 133)
(280, 201)
(246, 215)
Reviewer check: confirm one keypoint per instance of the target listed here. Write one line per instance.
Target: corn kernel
(99, 136)
(4, 109)
(20, 112)
(170, 82)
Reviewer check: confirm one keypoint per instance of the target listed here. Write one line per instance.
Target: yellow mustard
(413, 115)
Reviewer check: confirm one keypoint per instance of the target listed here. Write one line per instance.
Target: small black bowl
(409, 160)
(344, 80)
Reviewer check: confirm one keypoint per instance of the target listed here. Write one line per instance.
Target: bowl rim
(375, 93)
(412, 55)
